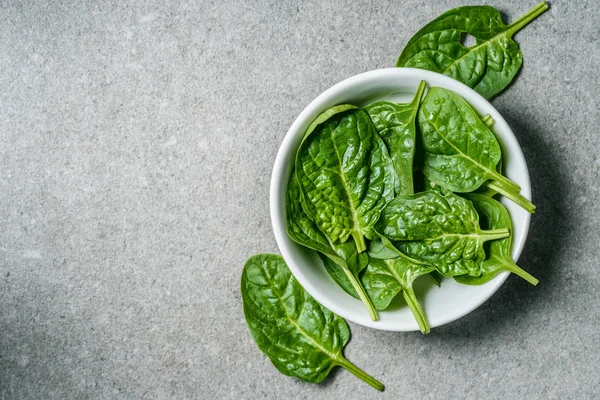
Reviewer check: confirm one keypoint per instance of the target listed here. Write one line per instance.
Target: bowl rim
(314, 108)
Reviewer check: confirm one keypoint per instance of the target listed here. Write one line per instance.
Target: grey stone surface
(136, 145)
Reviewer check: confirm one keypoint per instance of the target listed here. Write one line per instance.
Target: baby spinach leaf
(460, 152)
(325, 115)
(343, 261)
(396, 124)
(384, 279)
(301, 337)
(301, 228)
(338, 274)
(346, 274)
(341, 274)
(383, 249)
(440, 229)
(488, 66)
(346, 176)
(494, 216)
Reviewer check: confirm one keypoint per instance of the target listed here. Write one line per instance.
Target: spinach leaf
(338, 274)
(440, 229)
(494, 216)
(384, 279)
(461, 153)
(382, 249)
(346, 274)
(396, 124)
(342, 261)
(301, 337)
(488, 66)
(301, 228)
(346, 176)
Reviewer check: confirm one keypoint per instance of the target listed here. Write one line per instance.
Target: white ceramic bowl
(442, 305)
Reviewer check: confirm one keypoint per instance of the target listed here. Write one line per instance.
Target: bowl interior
(442, 305)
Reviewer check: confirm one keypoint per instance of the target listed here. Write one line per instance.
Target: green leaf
(484, 189)
(346, 176)
(339, 273)
(423, 183)
(343, 261)
(396, 124)
(382, 249)
(301, 337)
(460, 152)
(488, 66)
(440, 229)
(301, 228)
(346, 275)
(325, 115)
(494, 216)
(384, 279)
(437, 278)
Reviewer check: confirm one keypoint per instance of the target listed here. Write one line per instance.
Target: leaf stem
(528, 17)
(362, 294)
(360, 374)
(494, 234)
(511, 195)
(415, 307)
(359, 239)
(502, 180)
(488, 120)
(515, 269)
(419, 93)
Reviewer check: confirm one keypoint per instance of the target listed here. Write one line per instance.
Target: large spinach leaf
(342, 261)
(461, 153)
(488, 66)
(396, 124)
(494, 216)
(301, 337)
(346, 175)
(441, 229)
(384, 279)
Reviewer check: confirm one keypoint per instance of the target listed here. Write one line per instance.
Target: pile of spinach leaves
(352, 190)
(392, 192)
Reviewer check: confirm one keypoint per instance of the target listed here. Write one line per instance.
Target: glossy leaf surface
(488, 66)
(460, 151)
(342, 261)
(396, 124)
(300, 337)
(301, 228)
(441, 229)
(494, 216)
(340, 274)
(346, 176)
(384, 279)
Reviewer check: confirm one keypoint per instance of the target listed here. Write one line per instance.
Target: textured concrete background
(136, 145)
